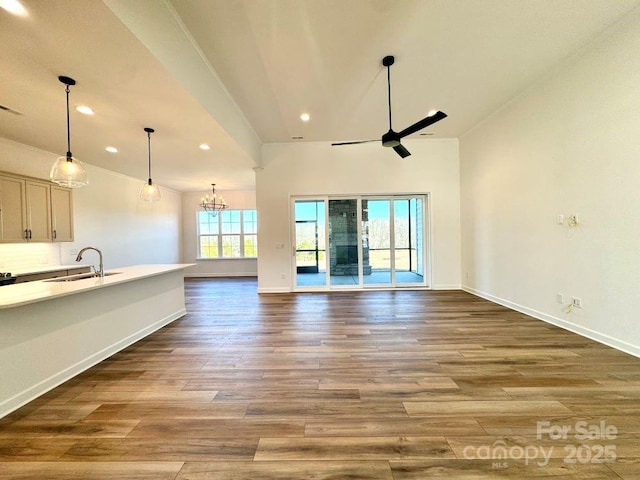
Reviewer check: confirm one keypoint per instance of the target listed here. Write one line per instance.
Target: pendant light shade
(67, 170)
(150, 192)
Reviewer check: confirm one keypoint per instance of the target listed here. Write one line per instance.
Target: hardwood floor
(367, 385)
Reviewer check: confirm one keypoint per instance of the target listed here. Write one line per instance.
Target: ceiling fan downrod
(391, 138)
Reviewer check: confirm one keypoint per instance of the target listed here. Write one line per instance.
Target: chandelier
(211, 203)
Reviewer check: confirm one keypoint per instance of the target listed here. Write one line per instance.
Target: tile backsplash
(27, 255)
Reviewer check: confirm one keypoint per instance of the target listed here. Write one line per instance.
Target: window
(229, 234)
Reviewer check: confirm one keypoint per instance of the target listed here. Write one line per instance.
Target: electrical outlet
(560, 219)
(559, 298)
(576, 302)
(572, 220)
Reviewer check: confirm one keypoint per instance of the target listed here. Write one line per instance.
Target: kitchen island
(51, 330)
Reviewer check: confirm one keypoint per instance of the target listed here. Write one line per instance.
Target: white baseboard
(559, 322)
(274, 290)
(368, 289)
(33, 392)
(445, 286)
(219, 275)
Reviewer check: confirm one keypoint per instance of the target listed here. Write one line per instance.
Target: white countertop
(31, 292)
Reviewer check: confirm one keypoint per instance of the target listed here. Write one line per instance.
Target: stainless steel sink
(81, 276)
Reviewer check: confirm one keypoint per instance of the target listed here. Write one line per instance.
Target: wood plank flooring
(367, 385)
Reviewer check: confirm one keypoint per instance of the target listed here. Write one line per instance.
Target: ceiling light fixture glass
(67, 170)
(111, 149)
(213, 204)
(149, 192)
(204, 146)
(305, 117)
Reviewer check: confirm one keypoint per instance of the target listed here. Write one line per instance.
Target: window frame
(218, 237)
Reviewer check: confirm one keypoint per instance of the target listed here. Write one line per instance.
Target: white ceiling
(237, 73)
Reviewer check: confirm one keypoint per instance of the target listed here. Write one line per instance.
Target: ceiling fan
(392, 138)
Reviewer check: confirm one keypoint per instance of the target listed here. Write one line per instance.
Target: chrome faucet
(100, 272)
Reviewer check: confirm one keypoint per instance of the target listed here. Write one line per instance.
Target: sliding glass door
(409, 240)
(376, 241)
(373, 242)
(310, 251)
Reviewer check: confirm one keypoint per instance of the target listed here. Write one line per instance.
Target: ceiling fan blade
(425, 122)
(400, 150)
(355, 143)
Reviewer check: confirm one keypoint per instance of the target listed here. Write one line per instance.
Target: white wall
(570, 144)
(319, 168)
(107, 215)
(237, 200)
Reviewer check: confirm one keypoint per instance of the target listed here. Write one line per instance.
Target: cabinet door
(13, 212)
(38, 211)
(62, 214)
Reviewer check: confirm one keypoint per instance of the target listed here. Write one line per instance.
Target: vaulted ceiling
(238, 73)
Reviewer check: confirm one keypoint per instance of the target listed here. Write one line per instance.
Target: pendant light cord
(149, 145)
(69, 155)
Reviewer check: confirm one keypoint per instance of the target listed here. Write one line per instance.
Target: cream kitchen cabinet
(13, 210)
(61, 214)
(38, 211)
(33, 210)
(45, 275)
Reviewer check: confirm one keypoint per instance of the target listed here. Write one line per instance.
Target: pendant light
(149, 192)
(67, 170)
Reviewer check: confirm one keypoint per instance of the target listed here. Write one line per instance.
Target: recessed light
(13, 6)
(305, 117)
(432, 113)
(111, 149)
(204, 146)
(85, 110)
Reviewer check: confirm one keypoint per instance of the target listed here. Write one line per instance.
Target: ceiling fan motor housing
(390, 139)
